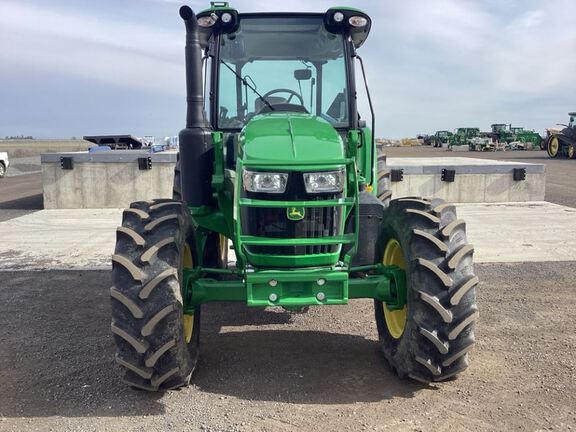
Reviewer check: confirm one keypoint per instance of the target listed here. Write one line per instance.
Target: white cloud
(434, 64)
(113, 51)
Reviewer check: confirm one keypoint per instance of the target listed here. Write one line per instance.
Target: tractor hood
(291, 139)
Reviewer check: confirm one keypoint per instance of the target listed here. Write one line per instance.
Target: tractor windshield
(275, 64)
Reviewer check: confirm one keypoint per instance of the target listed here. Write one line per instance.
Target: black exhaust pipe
(196, 148)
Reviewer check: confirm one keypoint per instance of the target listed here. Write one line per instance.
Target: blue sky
(76, 67)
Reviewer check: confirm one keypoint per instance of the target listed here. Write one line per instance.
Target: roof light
(338, 17)
(226, 17)
(357, 21)
(207, 21)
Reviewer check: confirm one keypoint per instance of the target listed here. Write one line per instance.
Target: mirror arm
(370, 105)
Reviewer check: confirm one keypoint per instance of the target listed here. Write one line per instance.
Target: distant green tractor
(562, 142)
(463, 136)
(524, 136)
(440, 138)
(506, 134)
(282, 165)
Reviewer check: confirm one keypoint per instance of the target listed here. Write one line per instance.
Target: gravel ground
(265, 370)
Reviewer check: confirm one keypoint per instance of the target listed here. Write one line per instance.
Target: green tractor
(440, 138)
(506, 134)
(524, 136)
(562, 142)
(463, 136)
(276, 160)
(500, 133)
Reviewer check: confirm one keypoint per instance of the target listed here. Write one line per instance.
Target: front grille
(274, 222)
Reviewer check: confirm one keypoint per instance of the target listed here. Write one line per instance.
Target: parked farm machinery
(562, 142)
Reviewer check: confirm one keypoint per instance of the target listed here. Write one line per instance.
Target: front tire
(2, 170)
(157, 345)
(383, 192)
(430, 339)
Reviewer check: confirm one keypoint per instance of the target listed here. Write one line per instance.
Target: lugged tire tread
(144, 373)
(464, 251)
(138, 345)
(135, 272)
(448, 361)
(165, 204)
(462, 290)
(440, 331)
(148, 328)
(433, 337)
(149, 287)
(127, 302)
(136, 238)
(448, 229)
(140, 213)
(151, 225)
(435, 370)
(156, 382)
(442, 247)
(154, 249)
(462, 325)
(425, 215)
(434, 302)
(146, 296)
(442, 276)
(153, 358)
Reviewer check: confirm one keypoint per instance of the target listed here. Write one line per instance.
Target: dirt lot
(269, 371)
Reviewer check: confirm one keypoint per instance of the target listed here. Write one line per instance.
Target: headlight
(268, 182)
(357, 21)
(208, 20)
(326, 181)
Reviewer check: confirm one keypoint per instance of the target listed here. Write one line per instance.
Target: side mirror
(302, 74)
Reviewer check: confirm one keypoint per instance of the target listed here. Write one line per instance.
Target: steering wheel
(292, 93)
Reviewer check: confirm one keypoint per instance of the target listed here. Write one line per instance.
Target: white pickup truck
(3, 163)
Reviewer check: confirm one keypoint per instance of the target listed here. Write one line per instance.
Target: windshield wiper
(247, 84)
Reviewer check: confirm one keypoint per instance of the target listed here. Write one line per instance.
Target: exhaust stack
(196, 148)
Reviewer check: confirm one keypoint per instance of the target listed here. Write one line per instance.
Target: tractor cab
(291, 68)
(572, 123)
(498, 127)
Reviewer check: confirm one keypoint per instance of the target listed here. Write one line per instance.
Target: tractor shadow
(291, 365)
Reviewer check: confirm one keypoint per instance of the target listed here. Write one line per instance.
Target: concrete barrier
(475, 180)
(110, 179)
(113, 179)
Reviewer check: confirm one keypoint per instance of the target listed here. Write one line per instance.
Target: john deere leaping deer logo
(295, 213)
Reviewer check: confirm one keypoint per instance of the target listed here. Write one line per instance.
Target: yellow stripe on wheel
(395, 320)
(187, 320)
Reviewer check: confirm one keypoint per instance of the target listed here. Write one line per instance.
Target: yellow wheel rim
(395, 320)
(223, 247)
(553, 146)
(570, 152)
(187, 320)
